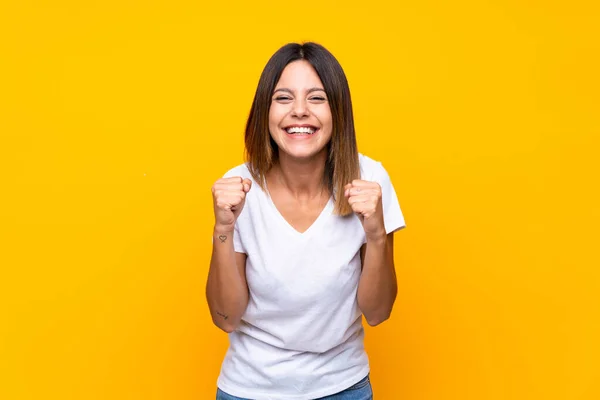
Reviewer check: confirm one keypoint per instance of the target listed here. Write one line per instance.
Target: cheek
(327, 121)
(272, 123)
(328, 125)
(324, 115)
(275, 116)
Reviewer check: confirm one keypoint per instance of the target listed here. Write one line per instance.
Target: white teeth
(297, 129)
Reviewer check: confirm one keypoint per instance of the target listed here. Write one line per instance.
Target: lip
(295, 136)
(301, 126)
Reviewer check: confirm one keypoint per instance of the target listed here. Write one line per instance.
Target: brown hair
(342, 165)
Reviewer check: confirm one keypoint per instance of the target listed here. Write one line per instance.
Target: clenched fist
(365, 199)
(229, 196)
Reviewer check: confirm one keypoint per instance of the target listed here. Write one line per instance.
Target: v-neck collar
(318, 221)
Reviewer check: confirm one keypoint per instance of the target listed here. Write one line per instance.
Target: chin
(303, 154)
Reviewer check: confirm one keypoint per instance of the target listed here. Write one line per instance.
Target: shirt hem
(247, 394)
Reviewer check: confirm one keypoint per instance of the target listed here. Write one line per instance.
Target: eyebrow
(313, 89)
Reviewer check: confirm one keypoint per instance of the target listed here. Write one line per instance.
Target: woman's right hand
(229, 196)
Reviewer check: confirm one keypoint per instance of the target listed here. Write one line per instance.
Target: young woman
(303, 240)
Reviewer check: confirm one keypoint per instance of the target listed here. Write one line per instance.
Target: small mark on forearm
(222, 238)
(223, 315)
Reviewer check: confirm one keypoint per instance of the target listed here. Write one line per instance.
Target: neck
(301, 177)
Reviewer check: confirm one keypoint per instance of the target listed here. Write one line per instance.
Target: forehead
(299, 74)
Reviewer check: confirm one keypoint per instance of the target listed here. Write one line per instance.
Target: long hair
(342, 165)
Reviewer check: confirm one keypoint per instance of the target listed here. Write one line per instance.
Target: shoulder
(239, 170)
(370, 169)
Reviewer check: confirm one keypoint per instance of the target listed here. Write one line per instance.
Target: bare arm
(377, 287)
(226, 288)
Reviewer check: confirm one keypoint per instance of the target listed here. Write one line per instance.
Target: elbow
(228, 328)
(374, 320)
(225, 325)
(380, 313)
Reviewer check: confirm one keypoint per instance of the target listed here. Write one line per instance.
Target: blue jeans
(359, 391)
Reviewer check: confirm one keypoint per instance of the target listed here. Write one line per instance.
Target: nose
(300, 109)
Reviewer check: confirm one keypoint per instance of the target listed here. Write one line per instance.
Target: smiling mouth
(301, 130)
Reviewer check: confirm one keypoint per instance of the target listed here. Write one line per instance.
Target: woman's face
(300, 119)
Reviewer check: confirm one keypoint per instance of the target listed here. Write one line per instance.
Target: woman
(303, 240)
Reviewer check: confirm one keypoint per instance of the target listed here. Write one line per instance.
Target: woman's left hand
(365, 199)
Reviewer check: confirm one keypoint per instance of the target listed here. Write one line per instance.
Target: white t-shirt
(301, 336)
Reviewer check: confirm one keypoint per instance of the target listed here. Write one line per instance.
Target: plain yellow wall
(117, 116)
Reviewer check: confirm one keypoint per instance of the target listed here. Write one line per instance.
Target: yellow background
(117, 116)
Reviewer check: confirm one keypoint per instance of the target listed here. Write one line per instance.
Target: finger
(364, 209)
(361, 183)
(247, 185)
(363, 198)
(228, 187)
(222, 194)
(228, 199)
(346, 189)
(233, 179)
(355, 191)
(359, 207)
(226, 181)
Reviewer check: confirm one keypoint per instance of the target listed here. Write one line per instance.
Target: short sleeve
(392, 214)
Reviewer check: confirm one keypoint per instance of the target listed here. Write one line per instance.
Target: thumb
(247, 185)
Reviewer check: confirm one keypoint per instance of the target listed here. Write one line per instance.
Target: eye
(283, 98)
(318, 98)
